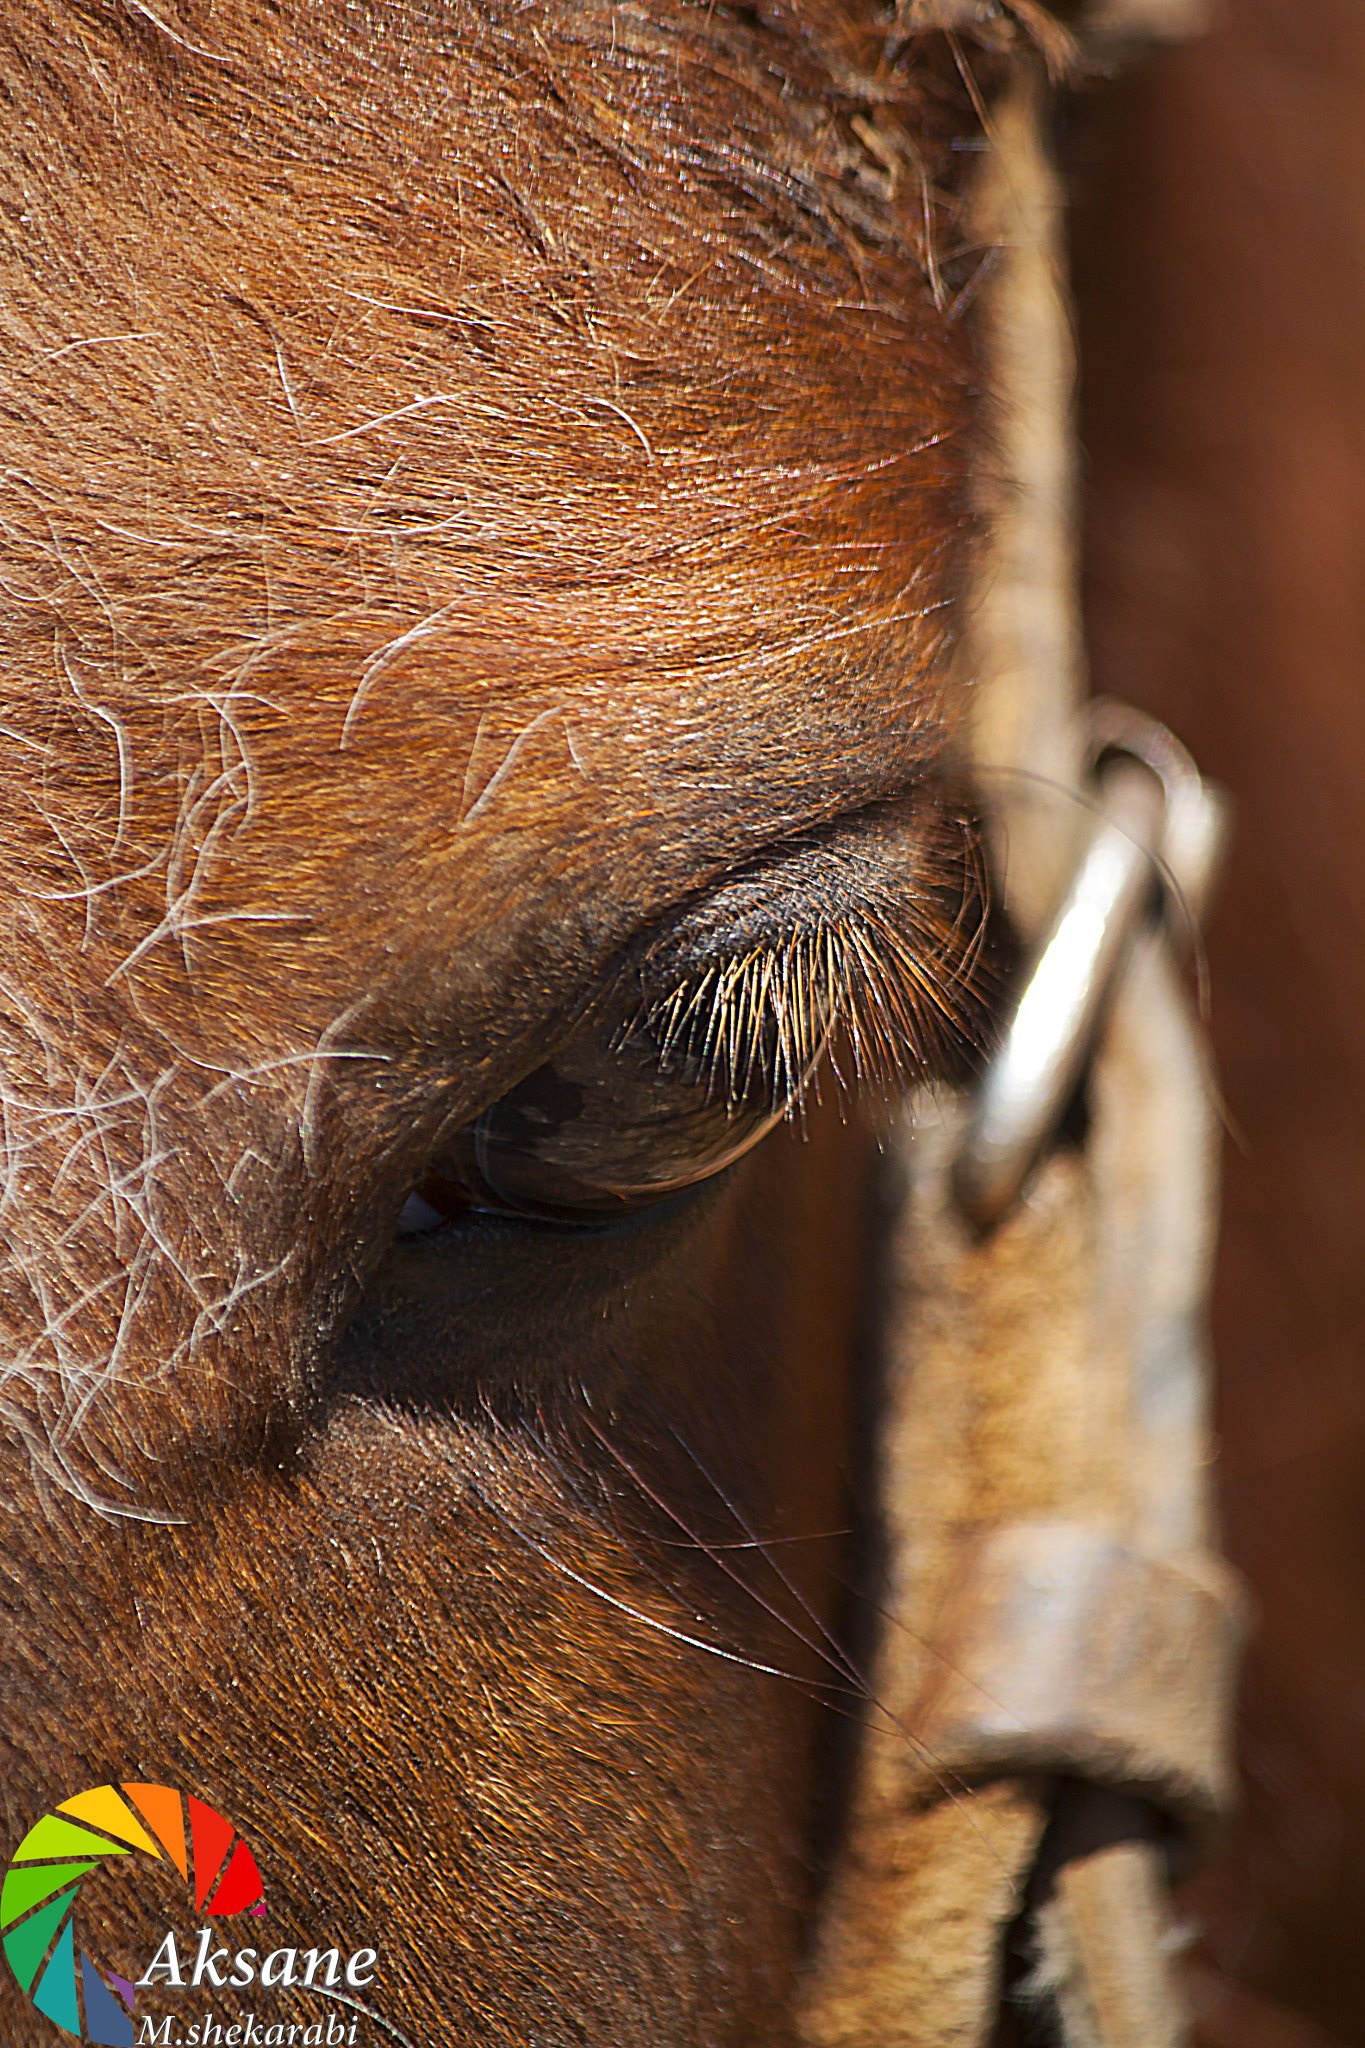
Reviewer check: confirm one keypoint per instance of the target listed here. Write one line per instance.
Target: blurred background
(1219, 249)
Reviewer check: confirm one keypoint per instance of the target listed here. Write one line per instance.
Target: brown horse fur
(475, 481)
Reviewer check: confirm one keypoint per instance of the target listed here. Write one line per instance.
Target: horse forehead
(529, 405)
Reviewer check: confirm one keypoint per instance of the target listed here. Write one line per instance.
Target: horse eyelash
(905, 987)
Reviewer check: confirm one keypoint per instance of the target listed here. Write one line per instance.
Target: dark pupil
(615, 1120)
(543, 1102)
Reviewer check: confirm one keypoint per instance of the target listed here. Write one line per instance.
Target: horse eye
(633, 1108)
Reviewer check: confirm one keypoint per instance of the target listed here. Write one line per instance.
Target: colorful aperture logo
(44, 1879)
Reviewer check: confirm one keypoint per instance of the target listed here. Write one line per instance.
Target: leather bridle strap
(1053, 1676)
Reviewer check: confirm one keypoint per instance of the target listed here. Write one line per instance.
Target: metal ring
(1155, 822)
